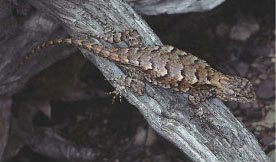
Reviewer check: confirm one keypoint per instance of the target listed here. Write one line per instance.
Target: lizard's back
(167, 66)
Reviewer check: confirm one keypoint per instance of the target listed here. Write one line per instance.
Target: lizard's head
(235, 89)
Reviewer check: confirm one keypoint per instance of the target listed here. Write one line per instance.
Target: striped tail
(88, 45)
(111, 54)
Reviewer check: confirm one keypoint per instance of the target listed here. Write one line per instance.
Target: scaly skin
(169, 67)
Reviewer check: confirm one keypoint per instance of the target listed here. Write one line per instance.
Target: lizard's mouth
(248, 98)
(247, 93)
(238, 96)
(243, 96)
(237, 89)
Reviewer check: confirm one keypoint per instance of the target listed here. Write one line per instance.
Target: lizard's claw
(116, 94)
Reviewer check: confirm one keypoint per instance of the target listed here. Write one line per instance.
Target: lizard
(163, 66)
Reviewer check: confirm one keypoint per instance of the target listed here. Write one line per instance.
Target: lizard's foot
(201, 116)
(197, 113)
(200, 94)
(195, 100)
(123, 82)
(135, 85)
(200, 113)
(116, 94)
(197, 96)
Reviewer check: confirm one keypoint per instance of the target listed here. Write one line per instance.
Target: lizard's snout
(243, 90)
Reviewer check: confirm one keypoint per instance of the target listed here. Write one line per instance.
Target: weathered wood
(45, 141)
(18, 36)
(5, 117)
(155, 7)
(221, 137)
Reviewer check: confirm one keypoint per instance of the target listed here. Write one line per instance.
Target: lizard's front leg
(134, 81)
(197, 95)
(128, 82)
(200, 93)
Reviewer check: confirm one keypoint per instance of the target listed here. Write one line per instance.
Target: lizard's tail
(88, 45)
(65, 41)
(84, 44)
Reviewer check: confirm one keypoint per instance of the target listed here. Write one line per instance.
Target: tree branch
(5, 117)
(18, 36)
(155, 7)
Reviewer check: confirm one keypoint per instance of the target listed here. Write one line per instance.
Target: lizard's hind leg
(127, 82)
(134, 84)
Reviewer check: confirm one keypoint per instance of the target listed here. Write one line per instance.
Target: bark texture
(5, 117)
(155, 7)
(19, 34)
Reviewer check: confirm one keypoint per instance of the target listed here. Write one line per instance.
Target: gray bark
(5, 117)
(155, 7)
(18, 36)
(221, 137)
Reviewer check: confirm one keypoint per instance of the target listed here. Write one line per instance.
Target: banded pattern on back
(166, 66)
